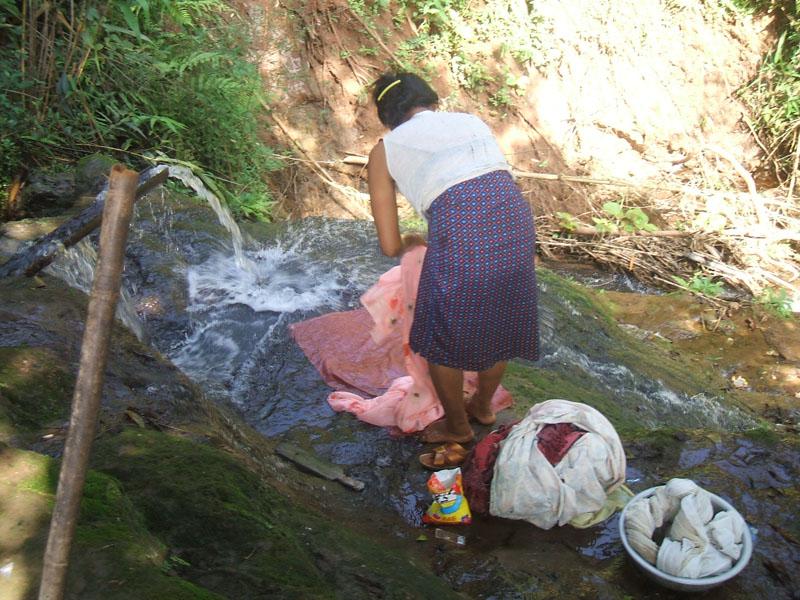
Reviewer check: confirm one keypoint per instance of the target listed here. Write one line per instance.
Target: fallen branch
(679, 189)
(592, 231)
(30, 261)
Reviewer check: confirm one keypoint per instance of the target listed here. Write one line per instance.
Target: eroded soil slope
(644, 91)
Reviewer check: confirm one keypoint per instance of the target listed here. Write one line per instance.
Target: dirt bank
(618, 88)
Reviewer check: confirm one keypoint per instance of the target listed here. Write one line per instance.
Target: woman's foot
(484, 416)
(437, 433)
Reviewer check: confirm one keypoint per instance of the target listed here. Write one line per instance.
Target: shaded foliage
(140, 78)
(774, 95)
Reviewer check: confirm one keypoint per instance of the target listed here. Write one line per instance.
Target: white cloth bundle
(698, 544)
(526, 486)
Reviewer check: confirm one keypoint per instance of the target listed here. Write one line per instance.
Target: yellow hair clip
(386, 89)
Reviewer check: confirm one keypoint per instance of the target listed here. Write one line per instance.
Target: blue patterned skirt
(477, 296)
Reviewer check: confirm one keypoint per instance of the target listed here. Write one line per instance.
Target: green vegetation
(114, 555)
(144, 80)
(774, 95)
(216, 516)
(34, 390)
(600, 339)
(631, 220)
(777, 302)
(700, 284)
(617, 218)
(474, 40)
(163, 517)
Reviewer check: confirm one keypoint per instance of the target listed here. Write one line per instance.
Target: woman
(476, 305)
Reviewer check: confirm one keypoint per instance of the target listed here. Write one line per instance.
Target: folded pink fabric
(367, 350)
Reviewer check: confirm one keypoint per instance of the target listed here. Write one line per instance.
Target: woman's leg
(480, 405)
(449, 384)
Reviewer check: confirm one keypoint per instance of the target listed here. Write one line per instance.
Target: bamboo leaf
(131, 19)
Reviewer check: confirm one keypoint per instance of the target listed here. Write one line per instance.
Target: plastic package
(449, 506)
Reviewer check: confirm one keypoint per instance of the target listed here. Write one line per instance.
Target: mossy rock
(34, 390)
(643, 379)
(239, 537)
(92, 172)
(530, 385)
(113, 556)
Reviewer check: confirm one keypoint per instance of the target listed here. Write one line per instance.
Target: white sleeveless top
(433, 151)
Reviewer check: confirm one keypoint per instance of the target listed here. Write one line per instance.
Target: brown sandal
(446, 456)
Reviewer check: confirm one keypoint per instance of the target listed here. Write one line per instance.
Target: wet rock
(786, 340)
(47, 194)
(91, 174)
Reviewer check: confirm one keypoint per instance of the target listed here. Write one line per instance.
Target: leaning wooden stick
(88, 387)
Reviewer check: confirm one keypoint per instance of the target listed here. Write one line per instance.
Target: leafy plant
(631, 220)
(603, 225)
(617, 218)
(700, 284)
(470, 75)
(437, 12)
(776, 302)
(773, 96)
(252, 206)
(567, 221)
(501, 98)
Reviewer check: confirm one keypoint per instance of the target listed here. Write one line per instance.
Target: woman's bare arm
(383, 202)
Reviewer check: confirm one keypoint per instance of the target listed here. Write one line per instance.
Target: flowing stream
(218, 301)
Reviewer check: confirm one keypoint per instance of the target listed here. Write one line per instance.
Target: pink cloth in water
(367, 350)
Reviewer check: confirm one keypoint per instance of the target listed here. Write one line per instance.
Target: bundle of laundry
(698, 541)
(562, 464)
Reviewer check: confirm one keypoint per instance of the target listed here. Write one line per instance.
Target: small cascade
(193, 182)
(75, 266)
(238, 318)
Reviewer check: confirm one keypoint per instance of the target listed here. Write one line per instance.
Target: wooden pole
(88, 387)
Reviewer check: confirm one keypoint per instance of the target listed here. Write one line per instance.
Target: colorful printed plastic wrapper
(450, 506)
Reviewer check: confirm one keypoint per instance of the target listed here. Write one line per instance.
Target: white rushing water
(192, 181)
(75, 266)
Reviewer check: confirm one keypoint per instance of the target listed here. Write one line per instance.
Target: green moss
(222, 519)
(652, 358)
(34, 389)
(113, 555)
(586, 326)
(530, 385)
(764, 434)
(583, 299)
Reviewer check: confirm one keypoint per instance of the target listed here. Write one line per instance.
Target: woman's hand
(410, 240)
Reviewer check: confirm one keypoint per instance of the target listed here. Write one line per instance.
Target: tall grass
(774, 95)
(138, 78)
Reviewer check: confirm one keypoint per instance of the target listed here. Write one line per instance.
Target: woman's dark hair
(397, 93)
